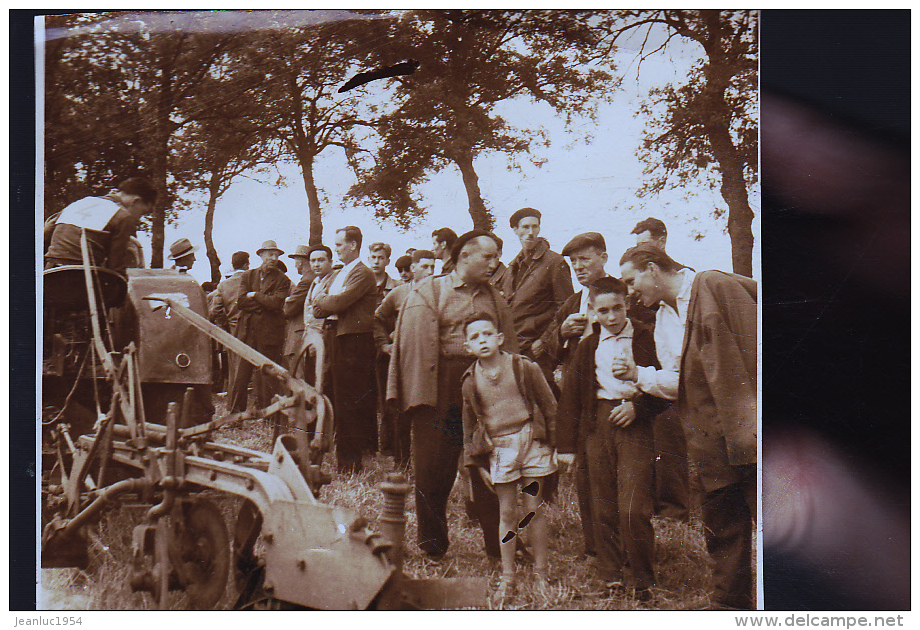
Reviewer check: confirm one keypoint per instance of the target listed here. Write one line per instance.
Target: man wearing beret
(261, 322)
(403, 265)
(537, 282)
(428, 359)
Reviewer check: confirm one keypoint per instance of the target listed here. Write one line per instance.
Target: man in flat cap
(109, 222)
(348, 306)
(573, 322)
(537, 283)
(428, 359)
(261, 323)
(294, 305)
(182, 253)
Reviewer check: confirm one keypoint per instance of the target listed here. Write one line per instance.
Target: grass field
(683, 571)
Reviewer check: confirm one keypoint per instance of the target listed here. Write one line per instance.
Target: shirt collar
(686, 287)
(626, 333)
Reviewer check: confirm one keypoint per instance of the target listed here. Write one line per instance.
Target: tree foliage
(446, 113)
(301, 70)
(705, 128)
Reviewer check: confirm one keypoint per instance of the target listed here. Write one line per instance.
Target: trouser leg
(485, 507)
(602, 479)
(728, 517)
(237, 395)
(435, 454)
(355, 401)
(634, 449)
(672, 488)
(386, 413)
(583, 490)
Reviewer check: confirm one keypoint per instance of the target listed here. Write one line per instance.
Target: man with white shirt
(348, 307)
(706, 341)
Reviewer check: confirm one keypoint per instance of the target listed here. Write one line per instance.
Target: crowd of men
(391, 354)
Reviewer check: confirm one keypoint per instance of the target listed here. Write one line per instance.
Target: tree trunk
(316, 215)
(482, 218)
(213, 194)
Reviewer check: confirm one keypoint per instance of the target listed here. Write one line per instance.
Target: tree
(212, 154)
(709, 124)
(147, 80)
(446, 112)
(301, 70)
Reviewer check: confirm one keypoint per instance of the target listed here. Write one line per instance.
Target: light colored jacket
(413, 376)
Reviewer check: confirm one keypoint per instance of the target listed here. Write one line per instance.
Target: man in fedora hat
(182, 253)
(261, 322)
(294, 305)
(109, 221)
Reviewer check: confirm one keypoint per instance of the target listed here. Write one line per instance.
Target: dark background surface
(836, 351)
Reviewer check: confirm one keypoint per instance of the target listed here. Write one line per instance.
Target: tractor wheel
(200, 552)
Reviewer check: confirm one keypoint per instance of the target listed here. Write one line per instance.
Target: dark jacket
(553, 348)
(717, 391)
(535, 290)
(578, 402)
(355, 305)
(261, 320)
(541, 405)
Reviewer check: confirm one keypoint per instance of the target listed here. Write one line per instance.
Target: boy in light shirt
(509, 416)
(615, 419)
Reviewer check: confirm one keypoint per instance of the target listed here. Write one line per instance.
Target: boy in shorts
(509, 417)
(615, 419)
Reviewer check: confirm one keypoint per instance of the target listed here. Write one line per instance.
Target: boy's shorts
(519, 455)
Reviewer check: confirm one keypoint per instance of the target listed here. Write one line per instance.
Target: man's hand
(625, 370)
(574, 325)
(623, 415)
(565, 461)
(387, 348)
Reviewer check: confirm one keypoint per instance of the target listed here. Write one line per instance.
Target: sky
(582, 186)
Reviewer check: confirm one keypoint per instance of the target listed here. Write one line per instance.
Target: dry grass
(683, 564)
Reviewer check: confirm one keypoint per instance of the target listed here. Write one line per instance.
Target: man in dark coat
(706, 342)
(261, 323)
(348, 306)
(536, 284)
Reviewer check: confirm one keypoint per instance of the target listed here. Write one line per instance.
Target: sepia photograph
(399, 310)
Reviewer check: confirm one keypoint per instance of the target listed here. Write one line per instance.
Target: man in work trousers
(260, 324)
(427, 362)
(706, 341)
(348, 307)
